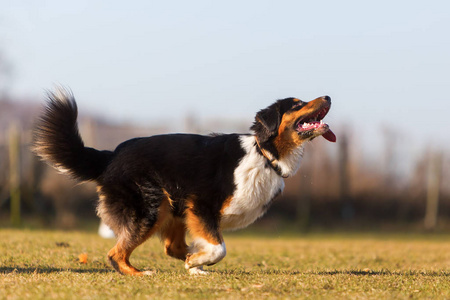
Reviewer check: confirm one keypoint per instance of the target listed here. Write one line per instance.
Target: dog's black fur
(187, 179)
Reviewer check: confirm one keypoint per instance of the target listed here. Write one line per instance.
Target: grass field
(45, 265)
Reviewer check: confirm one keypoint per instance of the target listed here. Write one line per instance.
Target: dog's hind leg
(174, 236)
(119, 258)
(133, 225)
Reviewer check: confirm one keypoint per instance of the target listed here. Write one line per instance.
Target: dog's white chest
(256, 186)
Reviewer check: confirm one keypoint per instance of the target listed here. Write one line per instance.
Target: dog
(175, 184)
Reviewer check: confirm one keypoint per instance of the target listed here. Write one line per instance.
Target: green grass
(32, 265)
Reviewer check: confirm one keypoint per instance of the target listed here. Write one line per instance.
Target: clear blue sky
(384, 63)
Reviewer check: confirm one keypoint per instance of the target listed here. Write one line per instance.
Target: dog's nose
(327, 98)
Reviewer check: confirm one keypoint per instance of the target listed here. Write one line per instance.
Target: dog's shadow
(48, 270)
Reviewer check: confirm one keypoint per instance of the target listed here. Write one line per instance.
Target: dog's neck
(284, 167)
(271, 160)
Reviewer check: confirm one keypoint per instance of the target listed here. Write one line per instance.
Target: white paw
(148, 273)
(197, 271)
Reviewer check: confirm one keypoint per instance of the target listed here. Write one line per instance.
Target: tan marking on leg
(207, 247)
(119, 259)
(197, 228)
(173, 234)
(119, 255)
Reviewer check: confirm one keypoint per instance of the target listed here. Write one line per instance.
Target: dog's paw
(186, 262)
(197, 271)
(148, 273)
(191, 261)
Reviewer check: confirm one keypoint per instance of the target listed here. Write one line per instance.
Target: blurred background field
(155, 68)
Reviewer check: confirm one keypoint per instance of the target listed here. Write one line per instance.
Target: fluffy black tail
(57, 140)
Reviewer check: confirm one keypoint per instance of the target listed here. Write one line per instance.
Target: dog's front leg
(207, 247)
(202, 252)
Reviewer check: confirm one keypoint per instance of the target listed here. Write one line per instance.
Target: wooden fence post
(14, 174)
(434, 177)
(347, 209)
(303, 213)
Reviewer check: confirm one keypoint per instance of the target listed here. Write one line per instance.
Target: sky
(385, 64)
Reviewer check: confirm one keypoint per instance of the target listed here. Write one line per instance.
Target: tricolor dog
(172, 184)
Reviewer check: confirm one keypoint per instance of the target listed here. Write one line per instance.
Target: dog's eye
(297, 105)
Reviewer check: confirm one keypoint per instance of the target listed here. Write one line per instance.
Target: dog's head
(289, 122)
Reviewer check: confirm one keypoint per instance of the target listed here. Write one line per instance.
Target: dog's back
(168, 184)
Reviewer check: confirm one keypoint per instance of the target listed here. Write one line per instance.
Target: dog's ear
(267, 122)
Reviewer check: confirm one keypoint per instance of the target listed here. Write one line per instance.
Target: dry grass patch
(47, 265)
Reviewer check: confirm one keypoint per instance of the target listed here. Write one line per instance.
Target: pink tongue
(329, 135)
